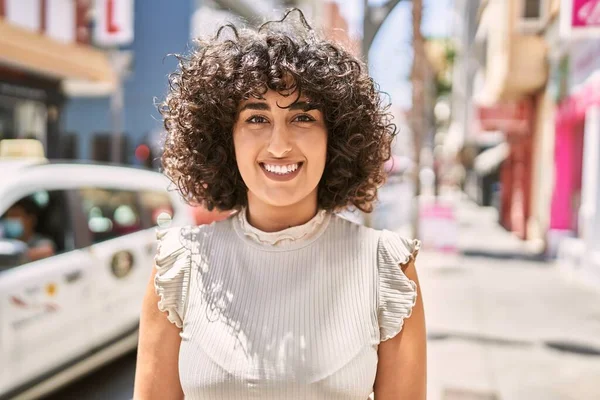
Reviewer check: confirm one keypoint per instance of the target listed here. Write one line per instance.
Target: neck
(270, 218)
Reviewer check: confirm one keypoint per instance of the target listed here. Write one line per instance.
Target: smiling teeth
(281, 169)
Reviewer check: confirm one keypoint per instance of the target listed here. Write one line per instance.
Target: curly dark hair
(201, 109)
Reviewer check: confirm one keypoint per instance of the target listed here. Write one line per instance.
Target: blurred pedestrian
(284, 299)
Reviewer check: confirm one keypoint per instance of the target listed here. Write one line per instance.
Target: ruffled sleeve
(397, 293)
(173, 268)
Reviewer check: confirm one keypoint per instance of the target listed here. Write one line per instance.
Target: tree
(373, 18)
(417, 115)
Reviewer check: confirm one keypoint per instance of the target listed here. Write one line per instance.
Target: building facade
(43, 47)
(508, 91)
(539, 88)
(575, 219)
(159, 28)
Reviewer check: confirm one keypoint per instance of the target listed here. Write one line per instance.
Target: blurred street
(502, 325)
(113, 381)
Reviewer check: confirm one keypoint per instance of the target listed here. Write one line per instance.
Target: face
(17, 214)
(280, 150)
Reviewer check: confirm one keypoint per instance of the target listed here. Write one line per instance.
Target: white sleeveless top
(296, 314)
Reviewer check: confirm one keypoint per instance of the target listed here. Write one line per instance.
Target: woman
(285, 299)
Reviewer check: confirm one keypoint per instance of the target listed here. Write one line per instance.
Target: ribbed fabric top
(302, 320)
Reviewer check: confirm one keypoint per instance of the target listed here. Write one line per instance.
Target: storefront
(575, 154)
(30, 108)
(575, 219)
(574, 236)
(40, 50)
(513, 158)
(507, 97)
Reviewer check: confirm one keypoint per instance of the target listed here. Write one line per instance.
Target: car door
(122, 247)
(44, 304)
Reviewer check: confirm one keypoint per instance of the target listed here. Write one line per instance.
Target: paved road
(112, 382)
(505, 326)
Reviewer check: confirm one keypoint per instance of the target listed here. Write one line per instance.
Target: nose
(279, 142)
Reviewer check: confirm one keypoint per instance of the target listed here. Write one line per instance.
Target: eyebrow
(261, 106)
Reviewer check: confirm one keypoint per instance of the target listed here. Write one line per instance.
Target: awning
(508, 117)
(490, 159)
(45, 56)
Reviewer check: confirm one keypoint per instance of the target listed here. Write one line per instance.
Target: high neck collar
(295, 235)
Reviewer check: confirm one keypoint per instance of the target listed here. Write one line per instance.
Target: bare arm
(402, 367)
(40, 252)
(157, 373)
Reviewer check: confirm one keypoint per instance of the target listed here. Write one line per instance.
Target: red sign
(114, 22)
(509, 118)
(585, 13)
(111, 26)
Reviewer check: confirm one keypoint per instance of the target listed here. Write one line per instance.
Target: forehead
(16, 210)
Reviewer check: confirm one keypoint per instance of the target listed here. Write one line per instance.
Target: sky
(392, 44)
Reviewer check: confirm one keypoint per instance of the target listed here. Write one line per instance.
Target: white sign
(114, 22)
(24, 13)
(61, 21)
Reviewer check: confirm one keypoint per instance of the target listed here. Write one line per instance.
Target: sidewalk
(503, 325)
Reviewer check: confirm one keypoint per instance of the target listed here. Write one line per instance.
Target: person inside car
(20, 222)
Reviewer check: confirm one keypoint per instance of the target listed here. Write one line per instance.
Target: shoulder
(392, 248)
(175, 237)
(351, 229)
(177, 249)
(386, 241)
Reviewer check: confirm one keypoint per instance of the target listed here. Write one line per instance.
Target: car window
(110, 213)
(41, 221)
(157, 206)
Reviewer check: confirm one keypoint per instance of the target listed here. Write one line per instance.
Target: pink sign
(585, 13)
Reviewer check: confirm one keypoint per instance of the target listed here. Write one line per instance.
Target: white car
(64, 315)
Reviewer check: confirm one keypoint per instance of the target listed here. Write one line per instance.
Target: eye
(304, 118)
(257, 119)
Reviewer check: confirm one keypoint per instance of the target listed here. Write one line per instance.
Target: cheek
(316, 149)
(245, 153)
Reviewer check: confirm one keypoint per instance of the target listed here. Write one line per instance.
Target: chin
(281, 201)
(283, 197)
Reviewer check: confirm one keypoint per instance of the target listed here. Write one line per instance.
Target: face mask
(13, 228)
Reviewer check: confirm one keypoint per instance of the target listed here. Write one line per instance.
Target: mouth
(281, 172)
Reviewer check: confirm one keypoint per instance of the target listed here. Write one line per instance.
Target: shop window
(534, 15)
(20, 118)
(532, 9)
(110, 213)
